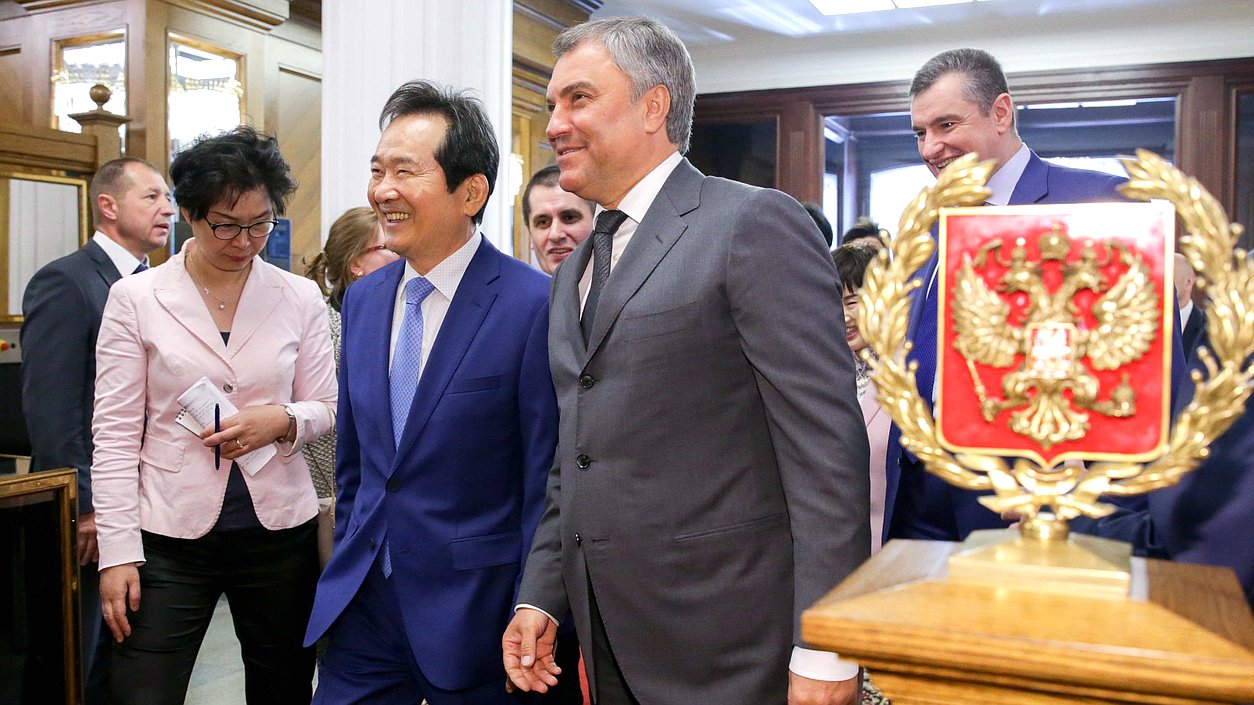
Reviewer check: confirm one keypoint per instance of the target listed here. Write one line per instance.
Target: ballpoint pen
(217, 428)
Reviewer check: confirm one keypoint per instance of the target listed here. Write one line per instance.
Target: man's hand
(527, 647)
(88, 549)
(119, 588)
(807, 691)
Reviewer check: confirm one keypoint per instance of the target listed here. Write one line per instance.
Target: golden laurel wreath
(1069, 490)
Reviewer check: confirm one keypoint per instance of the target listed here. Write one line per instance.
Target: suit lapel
(466, 312)
(1033, 183)
(176, 293)
(262, 293)
(370, 330)
(659, 231)
(105, 267)
(566, 295)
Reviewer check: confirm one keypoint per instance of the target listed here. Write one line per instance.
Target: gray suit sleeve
(785, 300)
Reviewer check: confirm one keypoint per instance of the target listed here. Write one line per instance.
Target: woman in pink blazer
(851, 263)
(176, 529)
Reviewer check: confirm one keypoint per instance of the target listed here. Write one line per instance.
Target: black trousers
(611, 687)
(269, 578)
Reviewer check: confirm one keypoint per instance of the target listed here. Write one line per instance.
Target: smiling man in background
(557, 221)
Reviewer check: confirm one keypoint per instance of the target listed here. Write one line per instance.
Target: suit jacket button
(371, 544)
(578, 540)
(228, 387)
(586, 381)
(394, 485)
(582, 462)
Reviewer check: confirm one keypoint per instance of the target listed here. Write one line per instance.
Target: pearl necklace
(221, 302)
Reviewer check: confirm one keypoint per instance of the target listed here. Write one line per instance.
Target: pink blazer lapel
(262, 293)
(870, 407)
(176, 293)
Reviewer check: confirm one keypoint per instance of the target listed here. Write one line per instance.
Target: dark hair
(547, 176)
(820, 219)
(984, 77)
(862, 228)
(350, 235)
(851, 263)
(226, 166)
(651, 55)
(469, 145)
(112, 178)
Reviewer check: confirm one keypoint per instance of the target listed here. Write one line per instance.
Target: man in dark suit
(711, 480)
(959, 104)
(62, 308)
(1192, 316)
(1203, 519)
(446, 428)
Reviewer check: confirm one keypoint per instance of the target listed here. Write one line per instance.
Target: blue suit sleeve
(347, 447)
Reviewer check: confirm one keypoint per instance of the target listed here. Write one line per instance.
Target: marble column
(369, 47)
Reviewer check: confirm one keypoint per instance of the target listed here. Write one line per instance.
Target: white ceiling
(703, 22)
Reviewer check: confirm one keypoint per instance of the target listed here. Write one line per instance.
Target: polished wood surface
(1190, 639)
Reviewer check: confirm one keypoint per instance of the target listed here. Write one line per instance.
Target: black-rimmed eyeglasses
(230, 231)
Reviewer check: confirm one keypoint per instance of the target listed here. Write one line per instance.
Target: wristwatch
(291, 426)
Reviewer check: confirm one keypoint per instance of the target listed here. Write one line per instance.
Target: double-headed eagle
(1053, 336)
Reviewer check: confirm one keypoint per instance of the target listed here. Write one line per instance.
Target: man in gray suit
(711, 477)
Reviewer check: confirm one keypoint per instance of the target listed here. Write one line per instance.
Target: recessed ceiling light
(909, 4)
(848, 7)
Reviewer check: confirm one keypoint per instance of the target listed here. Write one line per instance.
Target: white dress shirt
(118, 255)
(445, 277)
(1185, 311)
(635, 204)
(1003, 181)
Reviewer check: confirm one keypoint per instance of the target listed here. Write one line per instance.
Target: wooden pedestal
(1186, 635)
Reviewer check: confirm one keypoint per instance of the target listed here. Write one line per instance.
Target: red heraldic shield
(1055, 336)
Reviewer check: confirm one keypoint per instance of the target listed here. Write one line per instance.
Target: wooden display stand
(1184, 635)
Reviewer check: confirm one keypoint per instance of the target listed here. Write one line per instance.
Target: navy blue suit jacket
(1203, 519)
(919, 505)
(62, 306)
(459, 500)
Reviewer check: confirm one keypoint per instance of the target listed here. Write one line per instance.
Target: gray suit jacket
(711, 474)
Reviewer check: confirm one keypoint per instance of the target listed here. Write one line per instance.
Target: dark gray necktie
(142, 266)
(602, 249)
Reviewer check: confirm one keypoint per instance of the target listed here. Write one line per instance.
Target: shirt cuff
(525, 606)
(821, 665)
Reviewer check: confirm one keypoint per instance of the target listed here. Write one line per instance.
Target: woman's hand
(250, 429)
(119, 589)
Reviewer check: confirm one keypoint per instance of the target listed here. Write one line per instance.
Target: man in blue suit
(446, 430)
(62, 306)
(1203, 519)
(959, 104)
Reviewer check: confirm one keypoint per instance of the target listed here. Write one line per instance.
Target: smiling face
(604, 141)
(142, 211)
(852, 335)
(236, 254)
(559, 221)
(947, 125)
(422, 221)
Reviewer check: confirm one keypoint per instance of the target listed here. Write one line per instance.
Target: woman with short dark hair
(184, 517)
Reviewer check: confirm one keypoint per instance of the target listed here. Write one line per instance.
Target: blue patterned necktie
(403, 378)
(602, 251)
(141, 267)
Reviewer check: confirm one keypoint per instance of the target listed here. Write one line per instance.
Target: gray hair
(984, 77)
(651, 55)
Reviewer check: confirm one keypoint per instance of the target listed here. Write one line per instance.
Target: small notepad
(197, 414)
